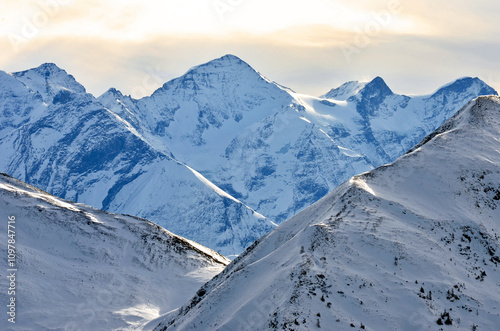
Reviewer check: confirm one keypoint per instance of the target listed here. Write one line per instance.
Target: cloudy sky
(309, 46)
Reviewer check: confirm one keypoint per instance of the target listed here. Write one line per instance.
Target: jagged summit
(48, 68)
(227, 60)
(48, 79)
(227, 69)
(345, 91)
(226, 63)
(122, 105)
(371, 97)
(374, 88)
(112, 92)
(377, 88)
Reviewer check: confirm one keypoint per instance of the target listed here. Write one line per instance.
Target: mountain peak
(484, 111)
(228, 68)
(345, 91)
(374, 89)
(376, 86)
(226, 61)
(48, 79)
(465, 83)
(371, 96)
(230, 57)
(45, 70)
(114, 92)
(49, 68)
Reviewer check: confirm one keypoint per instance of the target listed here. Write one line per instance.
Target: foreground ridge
(81, 268)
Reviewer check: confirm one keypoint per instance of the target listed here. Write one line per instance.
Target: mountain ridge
(271, 149)
(409, 245)
(96, 269)
(80, 150)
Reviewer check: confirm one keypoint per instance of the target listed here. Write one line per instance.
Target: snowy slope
(408, 246)
(80, 268)
(75, 148)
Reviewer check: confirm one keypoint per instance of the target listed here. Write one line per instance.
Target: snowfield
(79, 268)
(412, 245)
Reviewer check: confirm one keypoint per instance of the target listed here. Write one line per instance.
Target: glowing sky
(309, 46)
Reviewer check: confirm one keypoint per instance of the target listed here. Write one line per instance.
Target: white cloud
(107, 43)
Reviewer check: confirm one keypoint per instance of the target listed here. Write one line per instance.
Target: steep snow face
(411, 245)
(82, 268)
(79, 150)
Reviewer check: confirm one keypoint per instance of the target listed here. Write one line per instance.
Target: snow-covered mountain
(412, 245)
(67, 143)
(278, 151)
(79, 268)
(216, 155)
